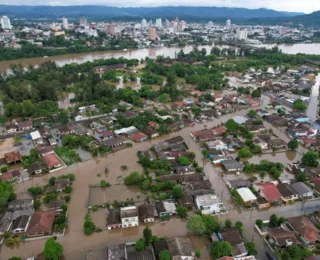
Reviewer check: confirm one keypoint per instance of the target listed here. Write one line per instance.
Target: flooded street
(312, 111)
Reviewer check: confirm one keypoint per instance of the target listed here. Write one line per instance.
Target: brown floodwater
(91, 56)
(203, 244)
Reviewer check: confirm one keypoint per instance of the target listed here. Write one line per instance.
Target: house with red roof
(52, 161)
(308, 233)
(138, 137)
(269, 191)
(219, 130)
(41, 223)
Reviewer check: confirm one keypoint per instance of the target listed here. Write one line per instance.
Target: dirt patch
(99, 218)
(6, 146)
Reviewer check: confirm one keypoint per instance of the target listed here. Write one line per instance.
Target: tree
(238, 225)
(35, 191)
(244, 153)
(259, 223)
(52, 181)
(182, 212)
(6, 194)
(88, 226)
(293, 145)
(164, 255)
(104, 183)
(231, 125)
(211, 224)
(36, 204)
(134, 178)
(273, 221)
(281, 220)
(140, 245)
(196, 225)
(220, 249)
(147, 235)
(15, 258)
(256, 93)
(251, 247)
(252, 113)
(164, 98)
(310, 158)
(184, 160)
(52, 249)
(177, 191)
(228, 223)
(299, 105)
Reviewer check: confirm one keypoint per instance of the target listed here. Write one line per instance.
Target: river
(147, 52)
(84, 57)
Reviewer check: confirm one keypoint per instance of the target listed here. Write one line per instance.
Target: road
(76, 243)
(312, 111)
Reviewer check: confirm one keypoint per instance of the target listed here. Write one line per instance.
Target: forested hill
(185, 12)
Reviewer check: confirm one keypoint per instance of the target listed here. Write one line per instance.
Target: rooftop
(128, 212)
(207, 199)
(41, 222)
(246, 194)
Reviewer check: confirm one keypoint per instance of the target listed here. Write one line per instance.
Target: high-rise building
(159, 23)
(111, 29)
(65, 23)
(143, 23)
(181, 26)
(228, 23)
(5, 23)
(242, 34)
(152, 33)
(166, 24)
(83, 21)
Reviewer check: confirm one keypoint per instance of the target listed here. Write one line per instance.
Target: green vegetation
(252, 113)
(69, 156)
(244, 153)
(310, 158)
(293, 145)
(203, 224)
(104, 183)
(182, 212)
(6, 194)
(35, 191)
(52, 250)
(27, 160)
(251, 247)
(164, 255)
(299, 105)
(295, 252)
(274, 169)
(88, 226)
(220, 249)
(259, 223)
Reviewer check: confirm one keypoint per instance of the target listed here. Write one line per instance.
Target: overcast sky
(306, 6)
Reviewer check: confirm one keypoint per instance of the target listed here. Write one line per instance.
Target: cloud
(306, 6)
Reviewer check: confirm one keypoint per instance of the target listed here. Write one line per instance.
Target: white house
(246, 195)
(263, 144)
(129, 217)
(36, 138)
(218, 145)
(209, 204)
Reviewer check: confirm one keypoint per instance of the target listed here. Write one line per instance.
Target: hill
(109, 12)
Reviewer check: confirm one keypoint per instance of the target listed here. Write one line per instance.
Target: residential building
(269, 191)
(41, 223)
(247, 195)
(184, 170)
(263, 144)
(287, 194)
(209, 204)
(114, 219)
(180, 247)
(232, 165)
(83, 21)
(278, 144)
(146, 213)
(281, 237)
(36, 138)
(233, 236)
(302, 190)
(308, 233)
(12, 157)
(159, 246)
(217, 145)
(117, 252)
(166, 208)
(242, 34)
(129, 217)
(52, 161)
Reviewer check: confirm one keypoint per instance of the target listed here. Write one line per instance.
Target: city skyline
(307, 6)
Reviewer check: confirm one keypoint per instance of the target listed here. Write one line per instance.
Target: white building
(228, 23)
(218, 145)
(242, 34)
(246, 194)
(83, 21)
(143, 23)
(159, 23)
(65, 23)
(5, 23)
(209, 204)
(129, 217)
(36, 137)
